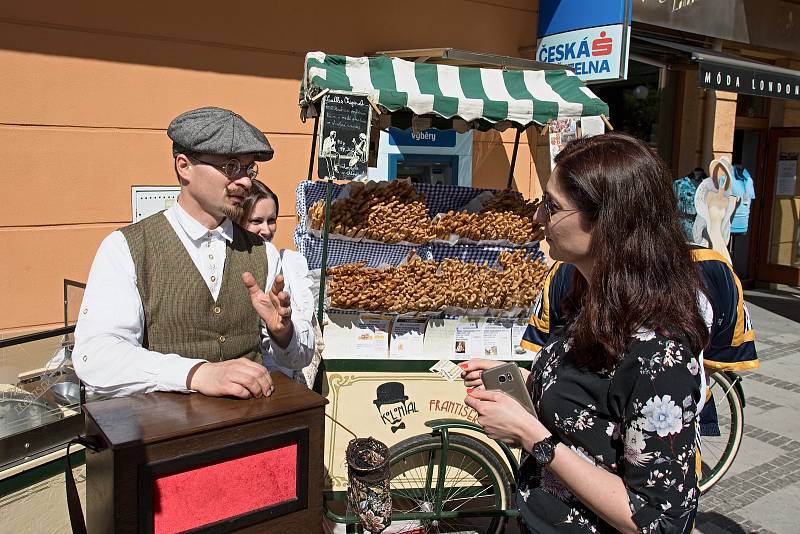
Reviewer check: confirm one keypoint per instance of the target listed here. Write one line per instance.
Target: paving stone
(761, 491)
(776, 510)
(752, 453)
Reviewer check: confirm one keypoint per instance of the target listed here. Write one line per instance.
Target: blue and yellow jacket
(732, 341)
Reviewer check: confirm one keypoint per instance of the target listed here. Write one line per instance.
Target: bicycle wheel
(475, 480)
(717, 452)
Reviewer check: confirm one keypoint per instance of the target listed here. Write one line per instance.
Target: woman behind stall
(260, 216)
(616, 392)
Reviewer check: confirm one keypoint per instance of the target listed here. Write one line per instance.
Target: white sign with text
(594, 54)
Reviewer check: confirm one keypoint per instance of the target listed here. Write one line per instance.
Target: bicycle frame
(442, 428)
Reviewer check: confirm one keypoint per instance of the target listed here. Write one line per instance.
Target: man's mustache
(236, 191)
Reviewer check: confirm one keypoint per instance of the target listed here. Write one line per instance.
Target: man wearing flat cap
(174, 302)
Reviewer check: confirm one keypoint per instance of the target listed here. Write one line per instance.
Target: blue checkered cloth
(439, 199)
(341, 252)
(477, 253)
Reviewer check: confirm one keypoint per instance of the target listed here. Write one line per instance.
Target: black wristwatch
(544, 451)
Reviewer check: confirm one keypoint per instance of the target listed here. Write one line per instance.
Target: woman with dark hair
(260, 216)
(613, 447)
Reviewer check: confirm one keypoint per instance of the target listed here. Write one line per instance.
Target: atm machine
(428, 156)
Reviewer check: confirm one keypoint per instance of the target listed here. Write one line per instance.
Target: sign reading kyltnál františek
(590, 37)
(344, 136)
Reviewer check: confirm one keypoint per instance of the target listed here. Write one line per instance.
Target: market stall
(416, 276)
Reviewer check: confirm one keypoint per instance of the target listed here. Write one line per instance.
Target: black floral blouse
(636, 421)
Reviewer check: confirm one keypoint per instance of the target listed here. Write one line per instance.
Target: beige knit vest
(180, 313)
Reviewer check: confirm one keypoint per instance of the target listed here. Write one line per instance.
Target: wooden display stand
(173, 462)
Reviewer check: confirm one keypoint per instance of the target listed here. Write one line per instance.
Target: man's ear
(183, 169)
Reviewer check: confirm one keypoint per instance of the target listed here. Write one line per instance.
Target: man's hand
(241, 378)
(273, 307)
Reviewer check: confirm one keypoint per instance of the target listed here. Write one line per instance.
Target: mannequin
(742, 187)
(685, 189)
(715, 205)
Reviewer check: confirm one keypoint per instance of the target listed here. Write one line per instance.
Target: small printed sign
(344, 136)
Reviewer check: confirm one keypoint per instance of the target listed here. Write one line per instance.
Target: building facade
(89, 89)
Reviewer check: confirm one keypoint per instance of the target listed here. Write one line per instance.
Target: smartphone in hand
(508, 379)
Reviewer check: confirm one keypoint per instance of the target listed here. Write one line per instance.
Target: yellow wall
(88, 90)
(698, 142)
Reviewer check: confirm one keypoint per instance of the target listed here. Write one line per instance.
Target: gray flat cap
(217, 131)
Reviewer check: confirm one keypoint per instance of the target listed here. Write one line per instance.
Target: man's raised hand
(274, 308)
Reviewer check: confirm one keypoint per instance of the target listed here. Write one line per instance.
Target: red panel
(207, 494)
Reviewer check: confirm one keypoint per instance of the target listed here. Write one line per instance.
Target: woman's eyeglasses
(230, 168)
(550, 207)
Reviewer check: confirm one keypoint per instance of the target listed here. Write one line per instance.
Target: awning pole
(324, 267)
(313, 149)
(513, 159)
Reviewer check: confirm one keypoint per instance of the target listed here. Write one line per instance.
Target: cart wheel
(720, 443)
(475, 480)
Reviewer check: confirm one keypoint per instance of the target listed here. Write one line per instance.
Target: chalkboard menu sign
(344, 136)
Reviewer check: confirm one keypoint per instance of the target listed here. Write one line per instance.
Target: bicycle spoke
(470, 483)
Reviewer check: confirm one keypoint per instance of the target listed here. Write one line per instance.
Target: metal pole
(324, 267)
(513, 159)
(313, 148)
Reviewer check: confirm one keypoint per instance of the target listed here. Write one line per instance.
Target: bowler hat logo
(390, 392)
(393, 404)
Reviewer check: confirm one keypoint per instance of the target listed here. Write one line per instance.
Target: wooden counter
(169, 458)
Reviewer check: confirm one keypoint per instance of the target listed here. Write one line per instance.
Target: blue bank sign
(590, 37)
(425, 138)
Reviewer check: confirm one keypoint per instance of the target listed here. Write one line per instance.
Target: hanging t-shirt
(685, 189)
(742, 187)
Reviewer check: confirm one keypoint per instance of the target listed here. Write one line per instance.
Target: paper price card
(407, 339)
(372, 336)
(497, 339)
(468, 339)
(517, 351)
(352, 335)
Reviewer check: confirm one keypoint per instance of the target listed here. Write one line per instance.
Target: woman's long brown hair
(643, 275)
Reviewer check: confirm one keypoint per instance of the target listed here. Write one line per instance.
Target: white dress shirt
(108, 354)
(297, 282)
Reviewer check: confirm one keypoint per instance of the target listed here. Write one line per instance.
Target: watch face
(543, 452)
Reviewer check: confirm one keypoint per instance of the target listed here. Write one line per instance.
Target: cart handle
(446, 424)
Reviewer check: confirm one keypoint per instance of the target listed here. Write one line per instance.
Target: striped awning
(520, 96)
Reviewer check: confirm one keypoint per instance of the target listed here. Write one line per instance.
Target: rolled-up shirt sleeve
(300, 350)
(108, 354)
(656, 393)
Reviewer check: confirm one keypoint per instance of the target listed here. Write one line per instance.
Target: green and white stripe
(470, 93)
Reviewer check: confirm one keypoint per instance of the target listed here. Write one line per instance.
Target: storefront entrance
(778, 258)
(749, 156)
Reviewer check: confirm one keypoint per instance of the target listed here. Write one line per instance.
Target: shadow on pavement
(719, 521)
(783, 303)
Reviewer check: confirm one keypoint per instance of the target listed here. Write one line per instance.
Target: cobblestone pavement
(761, 492)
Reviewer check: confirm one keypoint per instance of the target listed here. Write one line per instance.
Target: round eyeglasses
(550, 207)
(230, 168)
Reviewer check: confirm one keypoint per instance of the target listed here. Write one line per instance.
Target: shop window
(784, 242)
(643, 105)
(756, 107)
